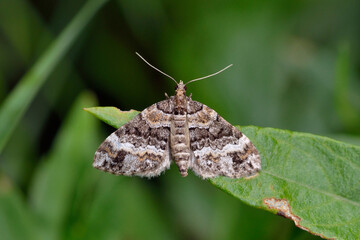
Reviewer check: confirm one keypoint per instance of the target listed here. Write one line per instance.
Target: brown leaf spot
(283, 209)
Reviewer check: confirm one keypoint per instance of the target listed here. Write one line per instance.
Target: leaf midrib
(335, 196)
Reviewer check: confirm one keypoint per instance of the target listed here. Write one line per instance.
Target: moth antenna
(197, 79)
(156, 68)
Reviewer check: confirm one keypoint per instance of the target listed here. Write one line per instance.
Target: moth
(182, 130)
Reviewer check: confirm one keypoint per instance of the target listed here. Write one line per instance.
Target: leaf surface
(312, 180)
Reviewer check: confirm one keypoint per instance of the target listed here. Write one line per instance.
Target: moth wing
(140, 147)
(218, 148)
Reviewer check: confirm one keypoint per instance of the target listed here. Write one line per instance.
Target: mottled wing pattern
(140, 147)
(219, 149)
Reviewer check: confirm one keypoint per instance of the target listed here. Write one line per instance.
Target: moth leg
(167, 96)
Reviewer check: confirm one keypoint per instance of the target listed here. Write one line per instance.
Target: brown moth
(180, 129)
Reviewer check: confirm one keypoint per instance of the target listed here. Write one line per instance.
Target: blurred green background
(296, 67)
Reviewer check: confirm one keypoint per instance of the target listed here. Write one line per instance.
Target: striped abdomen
(180, 143)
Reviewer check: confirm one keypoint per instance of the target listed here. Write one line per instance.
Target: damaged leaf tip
(283, 209)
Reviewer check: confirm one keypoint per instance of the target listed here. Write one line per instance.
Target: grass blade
(55, 184)
(18, 101)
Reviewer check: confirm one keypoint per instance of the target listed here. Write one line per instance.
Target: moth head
(180, 88)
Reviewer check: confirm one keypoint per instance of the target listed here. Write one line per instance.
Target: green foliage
(345, 107)
(56, 181)
(14, 214)
(17, 102)
(317, 176)
(60, 175)
(112, 115)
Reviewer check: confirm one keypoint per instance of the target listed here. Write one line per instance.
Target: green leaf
(112, 115)
(55, 182)
(312, 180)
(319, 179)
(16, 221)
(18, 101)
